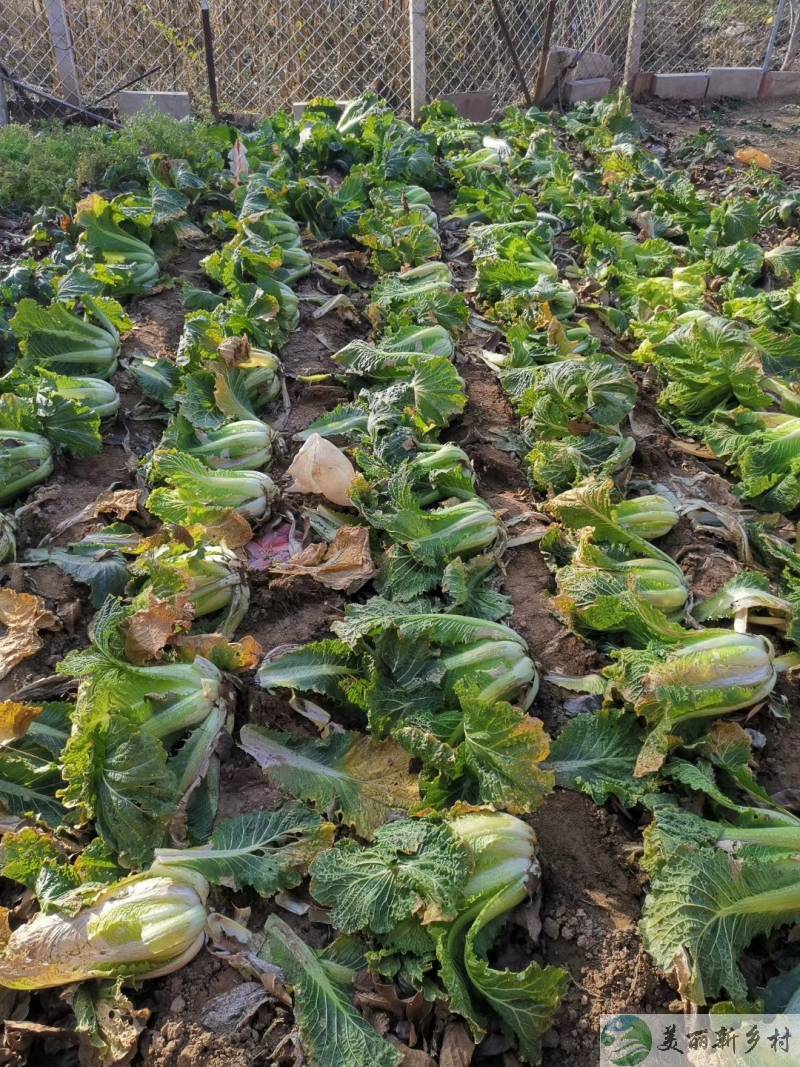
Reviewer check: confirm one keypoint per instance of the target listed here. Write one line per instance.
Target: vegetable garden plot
(308, 717)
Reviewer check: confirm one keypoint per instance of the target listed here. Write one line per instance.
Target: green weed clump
(55, 165)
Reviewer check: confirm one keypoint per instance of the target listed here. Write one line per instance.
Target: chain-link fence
(117, 40)
(268, 55)
(466, 51)
(604, 23)
(26, 46)
(271, 53)
(683, 35)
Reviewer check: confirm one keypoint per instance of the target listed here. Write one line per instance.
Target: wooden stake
(208, 43)
(513, 52)
(635, 38)
(546, 36)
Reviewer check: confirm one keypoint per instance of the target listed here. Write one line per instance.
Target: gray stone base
(474, 105)
(680, 86)
(130, 102)
(781, 83)
(740, 82)
(587, 89)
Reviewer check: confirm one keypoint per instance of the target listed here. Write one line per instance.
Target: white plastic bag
(321, 467)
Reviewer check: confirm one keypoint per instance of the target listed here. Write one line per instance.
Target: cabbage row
(659, 264)
(407, 813)
(419, 869)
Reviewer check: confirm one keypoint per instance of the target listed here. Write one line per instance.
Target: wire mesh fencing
(26, 46)
(466, 50)
(272, 53)
(786, 55)
(684, 35)
(116, 41)
(267, 55)
(603, 23)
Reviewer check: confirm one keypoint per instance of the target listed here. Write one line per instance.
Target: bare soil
(592, 892)
(771, 126)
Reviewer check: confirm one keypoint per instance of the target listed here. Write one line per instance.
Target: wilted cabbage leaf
(363, 780)
(268, 850)
(322, 1005)
(596, 754)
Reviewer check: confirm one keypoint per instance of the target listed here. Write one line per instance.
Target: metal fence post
(417, 34)
(773, 37)
(793, 45)
(63, 51)
(635, 38)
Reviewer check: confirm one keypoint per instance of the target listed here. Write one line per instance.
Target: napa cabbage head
(144, 926)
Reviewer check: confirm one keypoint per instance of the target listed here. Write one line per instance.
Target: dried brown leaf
(228, 1012)
(412, 1057)
(23, 616)
(15, 719)
(383, 998)
(691, 449)
(232, 530)
(117, 502)
(234, 350)
(5, 927)
(241, 655)
(458, 1047)
(345, 564)
(149, 630)
(121, 1025)
(20, 1035)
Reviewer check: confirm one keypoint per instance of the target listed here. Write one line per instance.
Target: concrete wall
(739, 83)
(178, 105)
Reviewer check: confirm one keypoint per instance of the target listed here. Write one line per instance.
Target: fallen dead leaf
(228, 655)
(5, 926)
(412, 1057)
(233, 1009)
(345, 564)
(418, 1009)
(234, 350)
(69, 612)
(21, 1034)
(360, 260)
(381, 998)
(149, 630)
(458, 1047)
(15, 719)
(23, 615)
(121, 1026)
(233, 530)
(343, 306)
(118, 502)
(690, 449)
(111, 1038)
